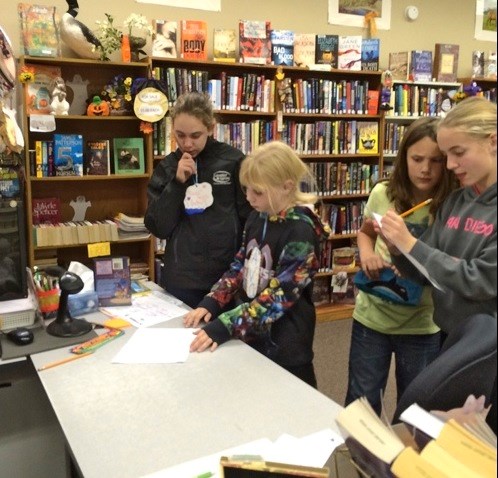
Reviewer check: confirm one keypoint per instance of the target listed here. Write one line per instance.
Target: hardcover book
(398, 65)
(193, 45)
(112, 280)
(97, 159)
(368, 137)
(282, 47)
(254, 42)
(225, 45)
(477, 63)
(304, 49)
(164, 38)
(46, 210)
(445, 62)
(68, 154)
(129, 156)
(370, 53)
(39, 30)
(326, 50)
(38, 91)
(421, 65)
(349, 55)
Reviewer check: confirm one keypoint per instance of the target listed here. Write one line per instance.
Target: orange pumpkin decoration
(98, 107)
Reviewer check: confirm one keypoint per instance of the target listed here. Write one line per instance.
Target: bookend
(64, 325)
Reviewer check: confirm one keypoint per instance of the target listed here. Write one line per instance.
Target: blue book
(421, 65)
(282, 47)
(68, 154)
(370, 52)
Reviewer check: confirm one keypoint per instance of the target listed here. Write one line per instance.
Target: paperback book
(445, 62)
(282, 47)
(97, 158)
(164, 38)
(349, 55)
(304, 49)
(225, 45)
(193, 45)
(39, 30)
(46, 210)
(398, 65)
(129, 156)
(421, 65)
(326, 50)
(368, 137)
(254, 42)
(68, 154)
(38, 91)
(112, 280)
(370, 53)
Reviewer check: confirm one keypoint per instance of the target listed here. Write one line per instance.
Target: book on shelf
(254, 41)
(38, 91)
(39, 30)
(164, 38)
(343, 290)
(445, 66)
(398, 65)
(327, 50)
(46, 210)
(68, 154)
(304, 49)
(421, 65)
(225, 45)
(193, 41)
(97, 160)
(112, 280)
(370, 54)
(282, 47)
(349, 52)
(129, 155)
(368, 137)
(477, 63)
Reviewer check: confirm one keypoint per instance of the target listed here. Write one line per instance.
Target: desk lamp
(64, 325)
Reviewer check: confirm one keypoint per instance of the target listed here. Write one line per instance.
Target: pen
(60, 362)
(415, 208)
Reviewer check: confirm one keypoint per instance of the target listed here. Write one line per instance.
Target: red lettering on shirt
(478, 227)
(453, 222)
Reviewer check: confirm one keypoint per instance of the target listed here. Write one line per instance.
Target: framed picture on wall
(351, 13)
(485, 20)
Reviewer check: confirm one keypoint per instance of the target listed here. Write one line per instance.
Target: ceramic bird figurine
(76, 35)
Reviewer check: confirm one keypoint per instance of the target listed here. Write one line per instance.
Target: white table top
(128, 420)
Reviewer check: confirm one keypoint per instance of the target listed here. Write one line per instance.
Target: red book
(46, 210)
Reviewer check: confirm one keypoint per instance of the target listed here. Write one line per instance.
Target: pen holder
(48, 301)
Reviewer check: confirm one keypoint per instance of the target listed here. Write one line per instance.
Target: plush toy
(77, 36)
(98, 107)
(59, 104)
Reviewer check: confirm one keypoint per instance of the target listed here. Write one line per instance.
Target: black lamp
(64, 325)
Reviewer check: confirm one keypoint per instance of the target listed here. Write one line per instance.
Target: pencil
(415, 208)
(60, 362)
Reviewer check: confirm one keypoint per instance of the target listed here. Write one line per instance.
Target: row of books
(72, 155)
(332, 137)
(256, 42)
(392, 137)
(417, 100)
(343, 218)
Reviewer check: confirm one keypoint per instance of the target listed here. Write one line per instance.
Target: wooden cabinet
(321, 114)
(108, 195)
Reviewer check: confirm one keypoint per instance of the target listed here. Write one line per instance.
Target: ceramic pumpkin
(98, 107)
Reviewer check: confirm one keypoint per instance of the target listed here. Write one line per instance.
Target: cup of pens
(47, 291)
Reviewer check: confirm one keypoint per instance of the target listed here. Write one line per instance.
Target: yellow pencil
(60, 362)
(415, 208)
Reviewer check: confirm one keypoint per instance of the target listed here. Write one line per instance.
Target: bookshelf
(108, 194)
(320, 113)
(409, 101)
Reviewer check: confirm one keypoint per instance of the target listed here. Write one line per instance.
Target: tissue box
(83, 303)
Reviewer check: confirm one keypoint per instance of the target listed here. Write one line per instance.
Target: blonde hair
(475, 116)
(274, 163)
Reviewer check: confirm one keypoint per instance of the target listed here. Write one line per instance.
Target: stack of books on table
(131, 227)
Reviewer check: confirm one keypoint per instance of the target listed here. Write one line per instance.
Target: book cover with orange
(193, 44)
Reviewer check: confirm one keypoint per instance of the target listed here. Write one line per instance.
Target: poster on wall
(485, 20)
(351, 13)
(212, 5)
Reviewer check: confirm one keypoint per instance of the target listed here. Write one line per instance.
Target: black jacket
(199, 247)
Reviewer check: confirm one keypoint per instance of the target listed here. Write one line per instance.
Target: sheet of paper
(412, 259)
(147, 310)
(311, 450)
(211, 464)
(149, 345)
(423, 420)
